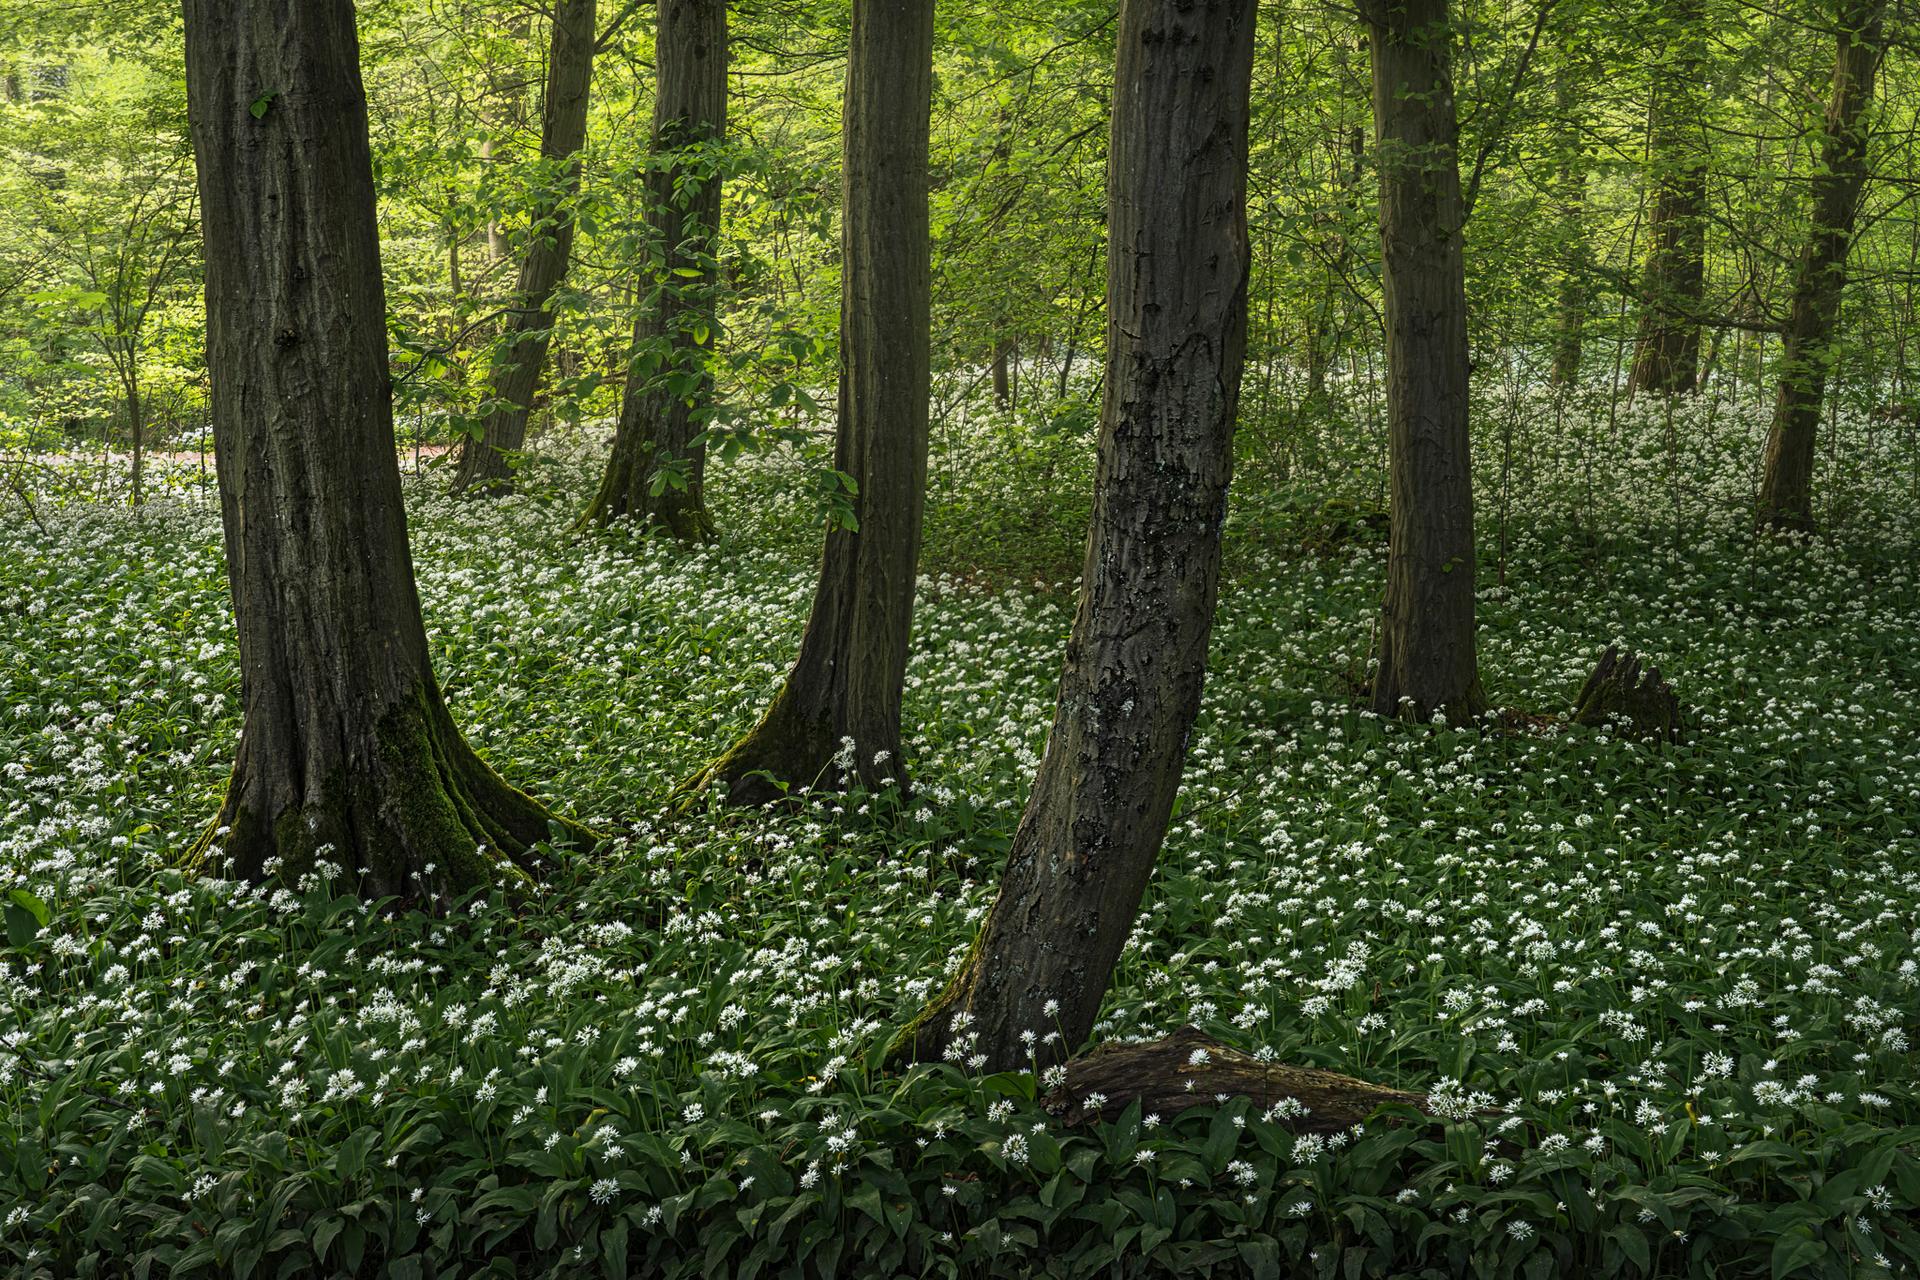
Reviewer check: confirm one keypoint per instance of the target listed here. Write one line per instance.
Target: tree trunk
(347, 753)
(1130, 686)
(1426, 639)
(846, 684)
(1667, 355)
(1002, 376)
(515, 374)
(656, 475)
(136, 428)
(1786, 487)
(1571, 305)
(1321, 332)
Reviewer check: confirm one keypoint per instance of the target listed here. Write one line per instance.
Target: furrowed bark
(484, 465)
(1130, 686)
(1426, 654)
(346, 751)
(1786, 487)
(847, 682)
(666, 405)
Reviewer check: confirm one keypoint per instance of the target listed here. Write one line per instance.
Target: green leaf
(1795, 1250)
(261, 105)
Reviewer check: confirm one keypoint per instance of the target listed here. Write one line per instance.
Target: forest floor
(1665, 996)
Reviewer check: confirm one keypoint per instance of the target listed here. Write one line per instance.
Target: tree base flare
(785, 753)
(1621, 691)
(416, 816)
(1191, 1069)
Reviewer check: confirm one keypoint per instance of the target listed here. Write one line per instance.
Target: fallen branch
(1191, 1069)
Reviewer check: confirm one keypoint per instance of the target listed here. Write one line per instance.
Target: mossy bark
(850, 675)
(656, 474)
(346, 745)
(1031, 988)
(1426, 646)
(1786, 485)
(1667, 353)
(484, 466)
(1191, 1069)
(1623, 690)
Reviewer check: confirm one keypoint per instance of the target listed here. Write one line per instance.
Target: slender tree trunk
(1786, 486)
(1667, 355)
(847, 683)
(1322, 333)
(1002, 376)
(656, 475)
(1571, 305)
(515, 374)
(1130, 688)
(347, 752)
(137, 428)
(1426, 639)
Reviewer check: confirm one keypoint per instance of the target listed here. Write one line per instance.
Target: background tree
(1426, 637)
(347, 750)
(1786, 485)
(1672, 288)
(521, 357)
(1129, 690)
(656, 474)
(848, 680)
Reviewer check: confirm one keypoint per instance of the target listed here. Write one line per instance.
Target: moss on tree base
(409, 811)
(787, 752)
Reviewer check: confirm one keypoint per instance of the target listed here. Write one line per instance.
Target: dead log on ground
(1191, 1069)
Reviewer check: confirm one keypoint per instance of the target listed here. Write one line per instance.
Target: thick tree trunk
(1130, 687)
(484, 464)
(1426, 641)
(656, 475)
(347, 752)
(1786, 487)
(847, 683)
(1667, 355)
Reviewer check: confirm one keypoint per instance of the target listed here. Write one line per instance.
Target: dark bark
(1002, 373)
(1426, 638)
(1667, 354)
(849, 677)
(1625, 692)
(485, 465)
(1191, 1069)
(669, 390)
(346, 751)
(1786, 486)
(1130, 686)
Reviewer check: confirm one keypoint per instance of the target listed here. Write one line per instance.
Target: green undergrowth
(1665, 997)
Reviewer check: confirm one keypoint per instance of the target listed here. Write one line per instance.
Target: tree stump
(1622, 691)
(1191, 1069)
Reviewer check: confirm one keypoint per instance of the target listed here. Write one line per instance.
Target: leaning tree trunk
(1130, 687)
(846, 684)
(656, 476)
(346, 752)
(1426, 637)
(1786, 487)
(1667, 354)
(485, 463)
